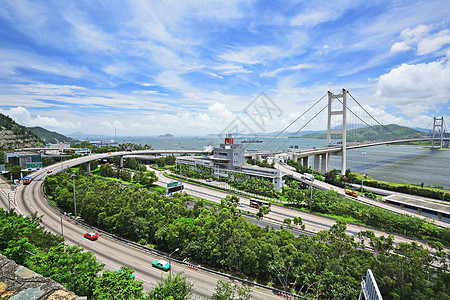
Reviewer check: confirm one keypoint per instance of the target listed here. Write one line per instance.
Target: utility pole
(74, 198)
(115, 137)
(362, 184)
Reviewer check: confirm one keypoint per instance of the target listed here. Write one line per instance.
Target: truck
(351, 193)
(307, 176)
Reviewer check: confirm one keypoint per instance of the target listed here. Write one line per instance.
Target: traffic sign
(172, 184)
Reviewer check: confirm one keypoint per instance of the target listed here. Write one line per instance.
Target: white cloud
(112, 125)
(231, 69)
(434, 42)
(422, 39)
(291, 68)
(23, 117)
(251, 55)
(417, 83)
(49, 89)
(11, 62)
(400, 47)
(313, 18)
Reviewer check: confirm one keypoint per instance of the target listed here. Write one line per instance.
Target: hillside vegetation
(50, 137)
(13, 135)
(378, 132)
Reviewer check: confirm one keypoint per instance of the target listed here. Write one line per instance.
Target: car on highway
(161, 264)
(49, 171)
(240, 204)
(91, 235)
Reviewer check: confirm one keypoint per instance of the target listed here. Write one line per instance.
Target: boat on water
(251, 141)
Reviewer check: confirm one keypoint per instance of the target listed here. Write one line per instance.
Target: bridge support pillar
(325, 163)
(294, 157)
(121, 161)
(88, 168)
(305, 161)
(316, 163)
(342, 115)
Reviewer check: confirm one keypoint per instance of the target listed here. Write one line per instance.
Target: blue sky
(192, 67)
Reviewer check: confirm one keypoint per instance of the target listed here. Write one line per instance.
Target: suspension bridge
(349, 126)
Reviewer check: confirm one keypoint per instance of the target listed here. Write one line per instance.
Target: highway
(325, 186)
(108, 251)
(115, 254)
(313, 223)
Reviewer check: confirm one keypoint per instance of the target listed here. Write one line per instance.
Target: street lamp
(362, 183)
(169, 261)
(74, 198)
(310, 201)
(115, 137)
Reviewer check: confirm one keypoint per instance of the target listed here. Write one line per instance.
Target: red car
(49, 171)
(91, 235)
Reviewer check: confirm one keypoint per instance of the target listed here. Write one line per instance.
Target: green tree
(118, 285)
(131, 163)
(226, 291)
(106, 170)
(70, 266)
(178, 287)
(161, 162)
(263, 210)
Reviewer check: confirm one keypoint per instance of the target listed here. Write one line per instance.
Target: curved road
(108, 251)
(115, 254)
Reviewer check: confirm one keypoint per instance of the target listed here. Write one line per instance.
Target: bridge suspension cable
(369, 113)
(302, 127)
(263, 147)
(366, 123)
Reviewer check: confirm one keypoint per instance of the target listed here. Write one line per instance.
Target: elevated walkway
(422, 207)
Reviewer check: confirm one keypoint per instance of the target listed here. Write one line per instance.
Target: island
(167, 135)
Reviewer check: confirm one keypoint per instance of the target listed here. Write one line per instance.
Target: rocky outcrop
(18, 282)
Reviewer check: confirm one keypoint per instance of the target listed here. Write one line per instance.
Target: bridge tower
(438, 131)
(341, 113)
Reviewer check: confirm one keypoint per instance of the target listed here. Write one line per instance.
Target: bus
(351, 193)
(26, 180)
(258, 203)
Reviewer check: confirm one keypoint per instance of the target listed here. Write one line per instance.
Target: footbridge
(349, 126)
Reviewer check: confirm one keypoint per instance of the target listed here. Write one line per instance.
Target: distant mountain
(378, 132)
(50, 137)
(167, 135)
(14, 136)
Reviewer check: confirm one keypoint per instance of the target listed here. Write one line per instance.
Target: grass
(153, 187)
(337, 217)
(157, 188)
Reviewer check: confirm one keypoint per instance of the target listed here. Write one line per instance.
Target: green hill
(13, 135)
(50, 137)
(378, 132)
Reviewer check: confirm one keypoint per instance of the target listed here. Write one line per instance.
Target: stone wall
(18, 282)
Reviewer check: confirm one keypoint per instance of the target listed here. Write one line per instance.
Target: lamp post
(62, 229)
(310, 201)
(74, 198)
(115, 137)
(170, 259)
(362, 183)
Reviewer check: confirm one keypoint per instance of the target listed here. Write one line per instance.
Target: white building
(230, 158)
